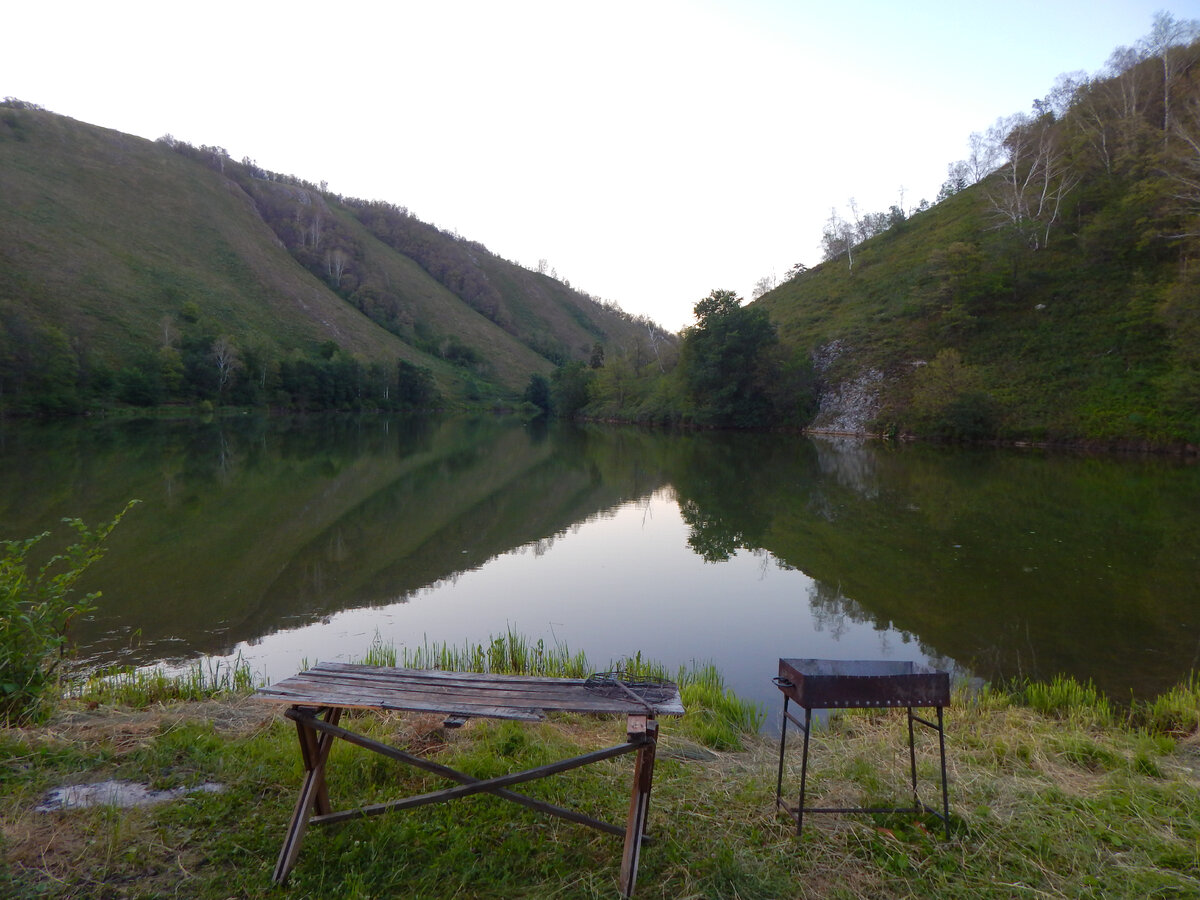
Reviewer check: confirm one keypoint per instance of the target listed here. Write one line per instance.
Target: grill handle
(781, 682)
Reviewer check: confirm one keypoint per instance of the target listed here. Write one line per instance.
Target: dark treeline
(44, 373)
(729, 371)
(448, 261)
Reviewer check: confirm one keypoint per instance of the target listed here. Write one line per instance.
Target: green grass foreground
(1053, 793)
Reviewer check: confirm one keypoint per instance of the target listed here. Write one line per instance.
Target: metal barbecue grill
(849, 684)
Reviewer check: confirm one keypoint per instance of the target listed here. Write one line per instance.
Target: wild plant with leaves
(37, 609)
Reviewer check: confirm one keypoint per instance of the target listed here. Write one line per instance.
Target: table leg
(314, 795)
(639, 802)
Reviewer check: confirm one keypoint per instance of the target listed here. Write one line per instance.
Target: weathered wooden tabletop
(347, 685)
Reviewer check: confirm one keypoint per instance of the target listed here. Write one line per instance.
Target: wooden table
(317, 697)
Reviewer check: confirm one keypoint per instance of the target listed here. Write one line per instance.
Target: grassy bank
(1053, 793)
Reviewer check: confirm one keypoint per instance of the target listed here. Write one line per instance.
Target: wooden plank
(556, 693)
(445, 675)
(457, 693)
(497, 694)
(504, 690)
(353, 700)
(319, 688)
(449, 705)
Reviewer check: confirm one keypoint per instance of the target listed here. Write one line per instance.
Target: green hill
(136, 271)
(1051, 294)
(1056, 298)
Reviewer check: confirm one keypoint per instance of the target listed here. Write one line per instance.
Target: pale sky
(650, 152)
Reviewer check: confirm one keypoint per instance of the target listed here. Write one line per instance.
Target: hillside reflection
(1010, 563)
(1013, 563)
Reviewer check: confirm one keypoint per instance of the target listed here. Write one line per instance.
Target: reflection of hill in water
(1014, 563)
(247, 525)
(451, 515)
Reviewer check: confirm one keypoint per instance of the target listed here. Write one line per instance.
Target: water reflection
(301, 538)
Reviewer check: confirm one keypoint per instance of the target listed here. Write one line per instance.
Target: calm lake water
(289, 540)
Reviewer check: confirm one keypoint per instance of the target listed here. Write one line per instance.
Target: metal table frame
(317, 728)
(797, 812)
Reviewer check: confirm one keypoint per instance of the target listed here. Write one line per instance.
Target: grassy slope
(509, 362)
(553, 315)
(105, 234)
(546, 315)
(1068, 342)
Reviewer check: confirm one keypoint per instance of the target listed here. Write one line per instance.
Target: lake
(285, 540)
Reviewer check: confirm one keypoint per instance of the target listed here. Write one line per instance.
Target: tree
(167, 329)
(958, 178)
(335, 265)
(1165, 40)
(415, 387)
(616, 381)
(225, 358)
(763, 285)
(538, 392)
(727, 362)
(140, 385)
(838, 239)
(985, 154)
(949, 401)
(1028, 194)
(569, 388)
(1184, 167)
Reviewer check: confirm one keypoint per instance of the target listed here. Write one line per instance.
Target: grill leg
(803, 770)
(912, 761)
(782, 746)
(945, 790)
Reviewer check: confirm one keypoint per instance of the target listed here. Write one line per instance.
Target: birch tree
(1166, 41)
(838, 239)
(335, 265)
(1185, 174)
(1028, 193)
(225, 357)
(763, 285)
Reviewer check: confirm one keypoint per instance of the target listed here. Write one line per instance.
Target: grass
(1047, 800)
(141, 687)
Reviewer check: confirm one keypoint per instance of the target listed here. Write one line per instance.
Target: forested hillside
(1053, 291)
(1050, 293)
(137, 272)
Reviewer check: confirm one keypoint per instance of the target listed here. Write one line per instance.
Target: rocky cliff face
(850, 405)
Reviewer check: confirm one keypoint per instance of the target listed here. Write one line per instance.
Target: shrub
(37, 609)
